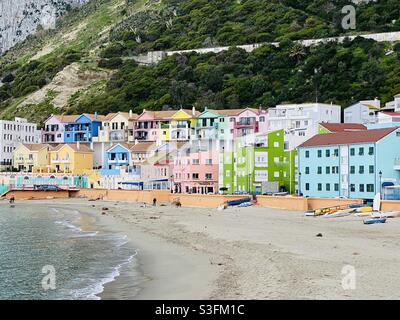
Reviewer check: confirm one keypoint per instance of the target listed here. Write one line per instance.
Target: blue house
(83, 129)
(119, 157)
(355, 164)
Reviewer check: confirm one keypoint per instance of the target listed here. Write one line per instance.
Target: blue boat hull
(238, 202)
(374, 221)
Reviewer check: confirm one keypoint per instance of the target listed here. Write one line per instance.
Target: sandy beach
(250, 253)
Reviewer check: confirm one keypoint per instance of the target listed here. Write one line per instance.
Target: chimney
(193, 111)
(78, 145)
(130, 113)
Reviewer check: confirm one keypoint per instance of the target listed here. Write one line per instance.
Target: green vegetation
(105, 34)
(339, 73)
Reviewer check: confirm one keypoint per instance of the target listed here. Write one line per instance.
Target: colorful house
(180, 127)
(71, 158)
(114, 127)
(195, 168)
(267, 166)
(147, 127)
(83, 129)
(32, 157)
(350, 165)
(54, 128)
(118, 157)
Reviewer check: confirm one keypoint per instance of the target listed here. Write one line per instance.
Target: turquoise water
(83, 257)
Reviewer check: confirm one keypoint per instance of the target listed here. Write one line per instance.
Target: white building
(393, 105)
(363, 112)
(301, 121)
(12, 135)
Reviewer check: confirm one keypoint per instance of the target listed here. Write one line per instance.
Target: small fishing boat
(238, 202)
(362, 214)
(355, 206)
(375, 221)
(339, 214)
(364, 209)
(392, 214)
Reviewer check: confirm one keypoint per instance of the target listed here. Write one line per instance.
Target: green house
(265, 166)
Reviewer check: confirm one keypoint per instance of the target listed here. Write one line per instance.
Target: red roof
(345, 137)
(392, 114)
(340, 127)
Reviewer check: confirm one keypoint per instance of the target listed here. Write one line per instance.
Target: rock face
(20, 18)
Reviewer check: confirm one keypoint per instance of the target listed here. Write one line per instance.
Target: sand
(252, 253)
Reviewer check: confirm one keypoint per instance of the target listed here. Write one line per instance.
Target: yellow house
(181, 125)
(71, 158)
(31, 157)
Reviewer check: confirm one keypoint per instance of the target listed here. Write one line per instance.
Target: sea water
(56, 253)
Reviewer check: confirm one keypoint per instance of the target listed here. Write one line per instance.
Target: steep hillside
(21, 18)
(86, 64)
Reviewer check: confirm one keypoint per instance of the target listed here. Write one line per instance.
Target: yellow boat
(364, 209)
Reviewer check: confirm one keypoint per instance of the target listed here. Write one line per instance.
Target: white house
(363, 112)
(301, 121)
(12, 134)
(393, 105)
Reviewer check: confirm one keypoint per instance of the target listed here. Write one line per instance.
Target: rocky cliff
(20, 18)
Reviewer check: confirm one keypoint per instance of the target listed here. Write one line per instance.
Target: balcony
(118, 161)
(59, 161)
(396, 165)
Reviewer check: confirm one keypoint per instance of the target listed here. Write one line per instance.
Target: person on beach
(154, 202)
(12, 199)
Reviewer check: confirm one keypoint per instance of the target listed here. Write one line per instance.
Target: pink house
(54, 128)
(148, 125)
(195, 168)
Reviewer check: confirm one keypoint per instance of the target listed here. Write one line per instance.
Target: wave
(92, 291)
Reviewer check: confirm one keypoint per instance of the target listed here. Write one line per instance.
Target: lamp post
(380, 183)
(299, 185)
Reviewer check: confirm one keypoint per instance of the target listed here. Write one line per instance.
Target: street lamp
(299, 184)
(380, 183)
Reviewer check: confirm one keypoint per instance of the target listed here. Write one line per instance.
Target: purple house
(54, 128)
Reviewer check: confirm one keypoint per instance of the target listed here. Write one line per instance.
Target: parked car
(46, 188)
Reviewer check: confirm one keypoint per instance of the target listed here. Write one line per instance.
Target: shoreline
(249, 253)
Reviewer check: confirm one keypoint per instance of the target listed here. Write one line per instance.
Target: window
(328, 153)
(370, 188)
(307, 170)
(336, 153)
(361, 188)
(319, 153)
(262, 119)
(335, 170)
(352, 169)
(361, 170)
(307, 154)
(361, 151)
(228, 173)
(319, 186)
(371, 151)
(352, 187)
(328, 170)
(195, 176)
(276, 144)
(328, 187)
(352, 151)
(208, 176)
(371, 169)
(307, 186)
(319, 170)
(276, 174)
(336, 186)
